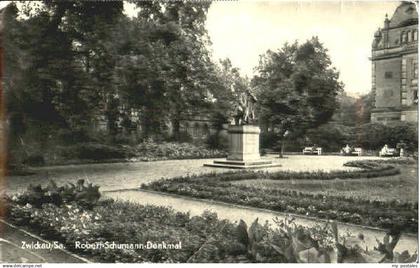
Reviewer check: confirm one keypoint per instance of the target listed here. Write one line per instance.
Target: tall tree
(232, 85)
(139, 75)
(296, 88)
(179, 34)
(165, 70)
(63, 66)
(364, 107)
(37, 55)
(89, 26)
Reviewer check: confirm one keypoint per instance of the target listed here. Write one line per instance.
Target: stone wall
(409, 116)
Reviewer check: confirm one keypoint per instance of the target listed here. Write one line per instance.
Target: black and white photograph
(209, 132)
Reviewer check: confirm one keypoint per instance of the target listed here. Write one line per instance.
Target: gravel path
(113, 176)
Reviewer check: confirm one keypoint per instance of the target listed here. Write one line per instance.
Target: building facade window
(415, 35)
(388, 75)
(403, 37)
(409, 36)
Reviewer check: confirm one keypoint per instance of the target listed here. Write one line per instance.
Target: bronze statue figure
(245, 109)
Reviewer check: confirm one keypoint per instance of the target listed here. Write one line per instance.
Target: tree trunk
(281, 150)
(176, 128)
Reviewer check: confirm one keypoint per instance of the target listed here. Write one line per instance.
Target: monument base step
(242, 164)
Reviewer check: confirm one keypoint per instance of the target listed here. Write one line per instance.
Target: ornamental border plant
(204, 239)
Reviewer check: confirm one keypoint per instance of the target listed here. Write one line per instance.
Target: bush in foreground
(202, 238)
(84, 195)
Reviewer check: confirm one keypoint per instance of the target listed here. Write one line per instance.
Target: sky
(243, 30)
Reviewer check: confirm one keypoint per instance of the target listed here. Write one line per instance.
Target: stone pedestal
(244, 149)
(244, 143)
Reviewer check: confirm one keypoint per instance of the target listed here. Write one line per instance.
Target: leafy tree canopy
(296, 87)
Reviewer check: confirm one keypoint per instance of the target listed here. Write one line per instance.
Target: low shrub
(213, 142)
(84, 195)
(149, 151)
(34, 160)
(373, 136)
(69, 136)
(389, 161)
(124, 223)
(202, 239)
(94, 151)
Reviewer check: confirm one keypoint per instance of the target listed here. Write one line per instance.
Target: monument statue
(244, 138)
(245, 109)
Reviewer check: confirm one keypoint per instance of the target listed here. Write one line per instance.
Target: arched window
(415, 35)
(409, 37)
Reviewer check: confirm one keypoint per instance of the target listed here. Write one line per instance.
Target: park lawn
(403, 187)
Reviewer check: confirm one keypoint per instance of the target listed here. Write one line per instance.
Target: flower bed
(203, 238)
(119, 223)
(151, 151)
(383, 214)
(91, 152)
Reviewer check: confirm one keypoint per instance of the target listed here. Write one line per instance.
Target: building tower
(395, 67)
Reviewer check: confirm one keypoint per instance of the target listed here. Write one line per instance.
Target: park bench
(357, 151)
(312, 150)
(348, 151)
(388, 152)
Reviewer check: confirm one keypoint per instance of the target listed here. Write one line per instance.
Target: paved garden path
(113, 176)
(235, 213)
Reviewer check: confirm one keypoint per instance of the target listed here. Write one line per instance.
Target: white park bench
(357, 151)
(311, 150)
